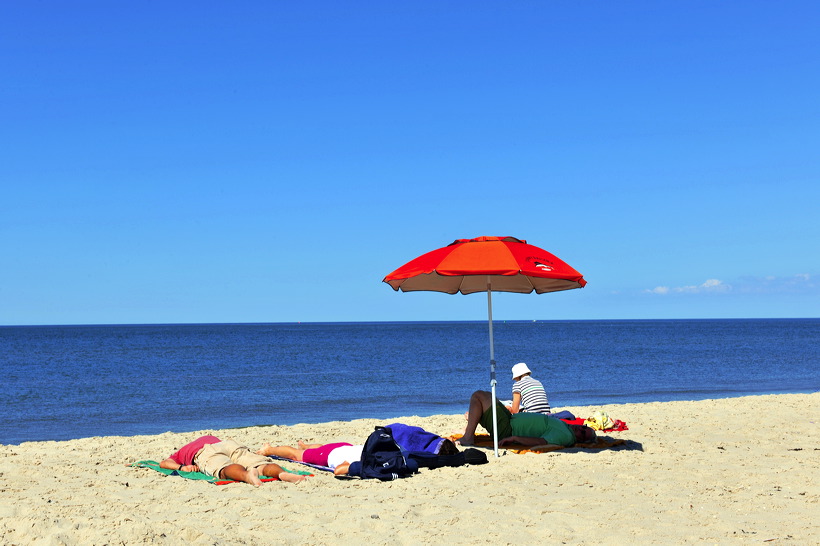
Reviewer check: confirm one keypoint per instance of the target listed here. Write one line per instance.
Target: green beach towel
(153, 465)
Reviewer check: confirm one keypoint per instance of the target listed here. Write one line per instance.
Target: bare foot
(265, 449)
(466, 415)
(253, 477)
(291, 478)
(302, 444)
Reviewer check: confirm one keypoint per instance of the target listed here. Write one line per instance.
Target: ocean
(65, 382)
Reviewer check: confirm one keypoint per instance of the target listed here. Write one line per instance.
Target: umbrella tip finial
(487, 238)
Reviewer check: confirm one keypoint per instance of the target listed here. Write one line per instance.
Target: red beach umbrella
(486, 264)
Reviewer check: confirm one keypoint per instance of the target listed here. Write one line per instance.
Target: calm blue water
(63, 382)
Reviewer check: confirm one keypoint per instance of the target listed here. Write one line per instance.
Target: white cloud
(799, 283)
(710, 286)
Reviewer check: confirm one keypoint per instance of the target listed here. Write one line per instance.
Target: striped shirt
(533, 395)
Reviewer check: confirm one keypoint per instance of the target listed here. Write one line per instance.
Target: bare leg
(276, 471)
(239, 473)
(480, 402)
(288, 452)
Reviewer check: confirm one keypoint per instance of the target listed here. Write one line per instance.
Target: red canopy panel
(466, 266)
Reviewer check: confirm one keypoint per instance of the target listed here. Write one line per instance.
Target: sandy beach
(713, 471)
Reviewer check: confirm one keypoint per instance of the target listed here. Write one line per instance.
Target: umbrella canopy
(486, 264)
(468, 265)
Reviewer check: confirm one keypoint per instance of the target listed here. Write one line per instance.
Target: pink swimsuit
(318, 455)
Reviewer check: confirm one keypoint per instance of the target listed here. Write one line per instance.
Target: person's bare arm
(516, 403)
(171, 464)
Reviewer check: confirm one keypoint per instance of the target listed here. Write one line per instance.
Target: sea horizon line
(373, 322)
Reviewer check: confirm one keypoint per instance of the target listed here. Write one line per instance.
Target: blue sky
(273, 161)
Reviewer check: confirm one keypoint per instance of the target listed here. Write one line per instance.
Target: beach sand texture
(739, 470)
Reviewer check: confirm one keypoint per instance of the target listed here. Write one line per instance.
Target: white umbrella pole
(492, 365)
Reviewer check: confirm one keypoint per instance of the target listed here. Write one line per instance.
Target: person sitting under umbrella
(527, 429)
(528, 393)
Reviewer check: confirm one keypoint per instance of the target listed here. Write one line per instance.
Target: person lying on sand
(414, 439)
(226, 459)
(337, 456)
(528, 429)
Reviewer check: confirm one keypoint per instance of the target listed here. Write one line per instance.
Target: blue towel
(412, 438)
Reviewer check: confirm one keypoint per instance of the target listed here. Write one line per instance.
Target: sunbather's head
(583, 434)
(520, 370)
(447, 447)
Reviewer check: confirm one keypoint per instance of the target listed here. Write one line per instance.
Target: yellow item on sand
(599, 421)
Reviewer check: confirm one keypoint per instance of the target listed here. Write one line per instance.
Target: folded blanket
(484, 440)
(618, 425)
(412, 438)
(153, 465)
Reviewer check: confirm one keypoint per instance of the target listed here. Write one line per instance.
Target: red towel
(619, 425)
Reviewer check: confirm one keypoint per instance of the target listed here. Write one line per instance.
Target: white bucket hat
(520, 369)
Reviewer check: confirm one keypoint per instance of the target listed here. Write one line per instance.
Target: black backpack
(382, 458)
